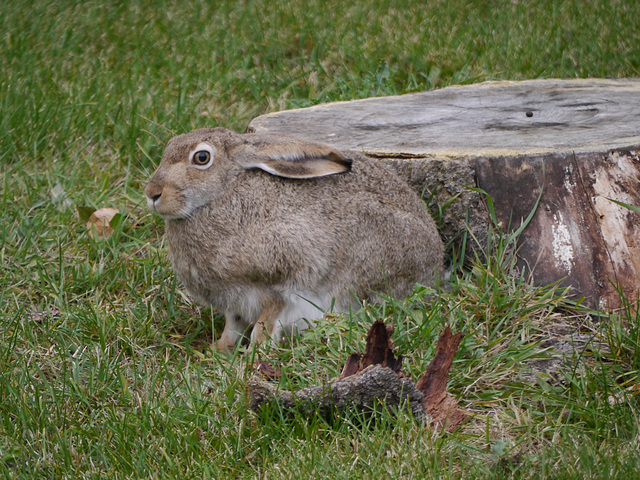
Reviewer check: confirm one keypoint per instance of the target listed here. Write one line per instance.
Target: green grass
(119, 381)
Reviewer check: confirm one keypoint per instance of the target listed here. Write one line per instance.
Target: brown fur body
(275, 252)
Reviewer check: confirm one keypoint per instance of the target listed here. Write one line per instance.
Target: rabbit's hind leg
(266, 326)
(232, 333)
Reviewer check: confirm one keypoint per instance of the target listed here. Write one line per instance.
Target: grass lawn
(106, 369)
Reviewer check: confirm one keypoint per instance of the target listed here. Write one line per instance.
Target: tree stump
(576, 140)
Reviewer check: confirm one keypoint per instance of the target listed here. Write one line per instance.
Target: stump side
(577, 235)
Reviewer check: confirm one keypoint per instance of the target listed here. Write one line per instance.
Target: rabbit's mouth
(156, 206)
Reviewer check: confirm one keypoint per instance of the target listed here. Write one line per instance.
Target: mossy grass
(106, 369)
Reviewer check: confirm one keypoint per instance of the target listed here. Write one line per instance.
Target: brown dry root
(372, 379)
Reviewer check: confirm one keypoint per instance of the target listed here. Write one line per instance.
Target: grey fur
(265, 249)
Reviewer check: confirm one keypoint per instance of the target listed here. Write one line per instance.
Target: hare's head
(197, 167)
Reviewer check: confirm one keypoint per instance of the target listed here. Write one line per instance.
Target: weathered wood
(441, 406)
(577, 139)
(362, 392)
(378, 379)
(483, 120)
(577, 234)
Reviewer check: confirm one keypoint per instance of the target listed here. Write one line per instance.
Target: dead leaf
(100, 222)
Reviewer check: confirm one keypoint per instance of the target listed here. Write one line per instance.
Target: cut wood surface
(482, 120)
(578, 140)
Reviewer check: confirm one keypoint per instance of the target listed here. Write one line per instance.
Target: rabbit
(273, 231)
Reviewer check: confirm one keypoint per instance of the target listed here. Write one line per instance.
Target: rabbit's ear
(295, 160)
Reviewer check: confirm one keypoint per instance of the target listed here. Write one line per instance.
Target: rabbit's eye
(201, 157)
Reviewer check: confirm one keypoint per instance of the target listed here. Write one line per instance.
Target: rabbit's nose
(153, 191)
(151, 201)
